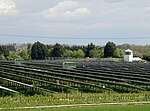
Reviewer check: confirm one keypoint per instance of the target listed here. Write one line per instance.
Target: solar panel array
(38, 78)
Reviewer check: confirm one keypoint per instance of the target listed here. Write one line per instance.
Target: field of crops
(32, 78)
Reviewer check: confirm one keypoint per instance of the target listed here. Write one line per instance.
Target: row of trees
(39, 51)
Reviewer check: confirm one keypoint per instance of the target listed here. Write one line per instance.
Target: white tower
(128, 57)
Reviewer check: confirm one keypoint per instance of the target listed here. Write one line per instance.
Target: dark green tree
(109, 49)
(38, 51)
(88, 49)
(57, 50)
(4, 51)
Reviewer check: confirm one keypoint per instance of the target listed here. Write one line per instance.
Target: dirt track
(78, 105)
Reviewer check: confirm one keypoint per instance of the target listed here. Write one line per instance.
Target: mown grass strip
(89, 107)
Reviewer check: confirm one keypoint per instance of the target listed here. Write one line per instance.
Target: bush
(146, 56)
(118, 53)
(2, 57)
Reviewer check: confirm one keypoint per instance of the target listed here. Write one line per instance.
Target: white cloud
(66, 8)
(119, 14)
(7, 8)
(77, 12)
(75, 17)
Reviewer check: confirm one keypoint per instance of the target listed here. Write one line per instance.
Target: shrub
(146, 56)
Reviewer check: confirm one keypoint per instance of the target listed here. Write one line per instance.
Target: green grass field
(73, 98)
(100, 108)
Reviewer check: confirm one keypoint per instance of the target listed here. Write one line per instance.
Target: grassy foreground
(74, 98)
(101, 108)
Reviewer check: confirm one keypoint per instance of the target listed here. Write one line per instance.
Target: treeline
(40, 51)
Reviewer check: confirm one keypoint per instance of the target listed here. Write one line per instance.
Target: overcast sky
(89, 19)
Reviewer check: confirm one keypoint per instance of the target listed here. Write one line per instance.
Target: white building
(128, 56)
